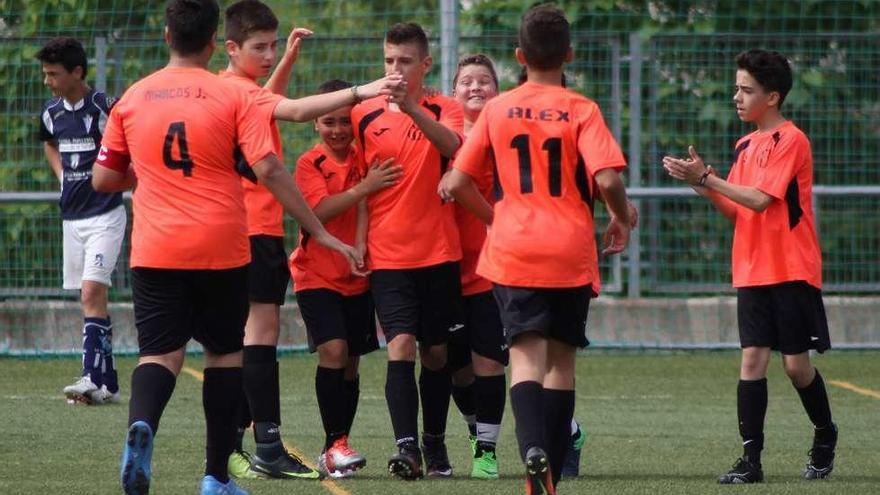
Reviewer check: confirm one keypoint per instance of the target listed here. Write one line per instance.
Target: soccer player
(777, 263)
(477, 352)
(93, 223)
(337, 307)
(174, 134)
(413, 248)
(251, 34)
(543, 143)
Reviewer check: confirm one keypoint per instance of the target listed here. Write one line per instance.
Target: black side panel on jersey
(793, 200)
(242, 166)
(367, 120)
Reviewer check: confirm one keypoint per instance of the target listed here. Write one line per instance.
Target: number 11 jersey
(180, 128)
(545, 143)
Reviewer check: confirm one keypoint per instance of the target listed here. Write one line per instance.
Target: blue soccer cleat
(210, 486)
(135, 471)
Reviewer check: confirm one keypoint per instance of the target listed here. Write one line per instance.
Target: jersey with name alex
(779, 244)
(180, 127)
(77, 129)
(545, 143)
(409, 226)
(318, 175)
(265, 214)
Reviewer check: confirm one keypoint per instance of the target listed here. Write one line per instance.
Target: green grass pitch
(656, 423)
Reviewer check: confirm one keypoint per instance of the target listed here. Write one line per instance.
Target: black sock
(151, 386)
(244, 421)
(492, 391)
(352, 396)
(403, 400)
(558, 411)
(221, 414)
(464, 400)
(751, 405)
(260, 366)
(527, 401)
(435, 389)
(815, 401)
(330, 389)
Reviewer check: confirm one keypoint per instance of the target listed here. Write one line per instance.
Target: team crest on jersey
(87, 121)
(110, 100)
(74, 161)
(414, 133)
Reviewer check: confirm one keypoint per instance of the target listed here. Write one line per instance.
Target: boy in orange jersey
(251, 34)
(777, 263)
(336, 306)
(413, 248)
(174, 134)
(544, 143)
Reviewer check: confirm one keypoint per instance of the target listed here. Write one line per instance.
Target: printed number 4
(184, 163)
(553, 147)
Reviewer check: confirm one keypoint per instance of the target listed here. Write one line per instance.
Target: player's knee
(333, 354)
(93, 298)
(402, 347)
(433, 357)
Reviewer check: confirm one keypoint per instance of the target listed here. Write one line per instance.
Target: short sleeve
(114, 132)
(783, 162)
(595, 143)
(310, 180)
(253, 130)
(45, 124)
(266, 101)
(473, 157)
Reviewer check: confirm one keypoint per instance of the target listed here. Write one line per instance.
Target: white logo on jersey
(87, 120)
(74, 161)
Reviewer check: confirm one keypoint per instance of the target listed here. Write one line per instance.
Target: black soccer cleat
(821, 461)
(744, 471)
(407, 462)
(286, 466)
(539, 479)
(436, 459)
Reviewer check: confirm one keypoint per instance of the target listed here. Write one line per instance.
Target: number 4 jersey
(545, 144)
(180, 128)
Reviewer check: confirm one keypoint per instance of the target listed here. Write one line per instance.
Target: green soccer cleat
(485, 465)
(240, 465)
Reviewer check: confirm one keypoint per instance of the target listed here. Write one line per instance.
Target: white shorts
(91, 247)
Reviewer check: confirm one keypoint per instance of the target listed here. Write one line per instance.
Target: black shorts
(268, 275)
(330, 315)
(482, 333)
(173, 306)
(559, 314)
(787, 317)
(425, 302)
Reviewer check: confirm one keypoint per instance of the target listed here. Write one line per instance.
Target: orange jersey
(313, 266)
(779, 244)
(545, 143)
(409, 227)
(264, 213)
(472, 234)
(180, 127)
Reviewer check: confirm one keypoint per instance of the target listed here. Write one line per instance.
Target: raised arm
(280, 77)
(311, 107)
(446, 140)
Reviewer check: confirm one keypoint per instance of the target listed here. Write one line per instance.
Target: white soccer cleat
(107, 397)
(335, 474)
(83, 391)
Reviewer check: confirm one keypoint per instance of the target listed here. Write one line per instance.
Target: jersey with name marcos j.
(76, 129)
(779, 244)
(264, 213)
(313, 266)
(180, 128)
(409, 226)
(545, 143)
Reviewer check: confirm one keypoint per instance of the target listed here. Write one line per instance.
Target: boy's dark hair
(408, 32)
(65, 51)
(544, 37)
(192, 24)
(769, 68)
(524, 76)
(475, 59)
(247, 17)
(333, 85)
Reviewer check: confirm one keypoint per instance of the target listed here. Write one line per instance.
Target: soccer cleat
(83, 391)
(136, 458)
(436, 459)
(572, 466)
(341, 457)
(539, 479)
(744, 471)
(286, 466)
(104, 396)
(239, 465)
(407, 463)
(485, 465)
(821, 461)
(210, 486)
(322, 468)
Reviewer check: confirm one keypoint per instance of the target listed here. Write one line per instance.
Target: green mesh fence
(662, 71)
